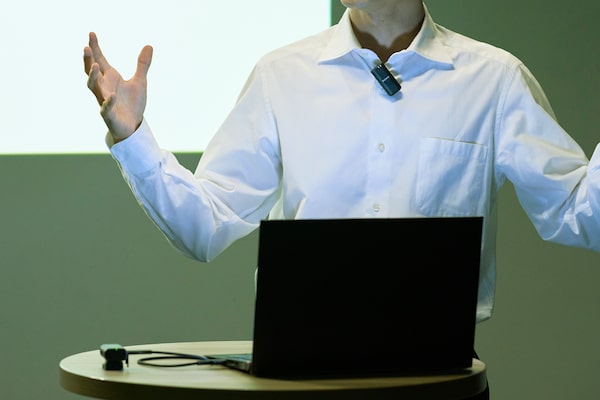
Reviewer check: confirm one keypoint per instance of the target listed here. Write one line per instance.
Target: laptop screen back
(358, 297)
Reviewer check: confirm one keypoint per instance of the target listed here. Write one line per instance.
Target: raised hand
(122, 102)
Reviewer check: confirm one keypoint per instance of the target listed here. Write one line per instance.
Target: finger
(143, 62)
(106, 114)
(93, 83)
(88, 59)
(106, 106)
(97, 53)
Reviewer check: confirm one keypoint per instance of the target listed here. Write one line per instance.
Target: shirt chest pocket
(450, 178)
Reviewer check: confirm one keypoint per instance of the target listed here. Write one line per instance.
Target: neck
(387, 29)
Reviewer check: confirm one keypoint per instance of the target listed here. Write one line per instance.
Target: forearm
(195, 223)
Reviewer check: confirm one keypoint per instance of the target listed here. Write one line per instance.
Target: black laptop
(364, 297)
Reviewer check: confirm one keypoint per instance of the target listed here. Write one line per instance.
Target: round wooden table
(83, 374)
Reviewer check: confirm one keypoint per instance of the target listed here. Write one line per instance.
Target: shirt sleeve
(233, 188)
(557, 186)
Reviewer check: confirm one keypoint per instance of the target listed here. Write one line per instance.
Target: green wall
(82, 265)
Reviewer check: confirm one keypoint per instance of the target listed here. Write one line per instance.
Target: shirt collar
(428, 42)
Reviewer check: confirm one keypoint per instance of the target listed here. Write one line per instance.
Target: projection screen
(203, 53)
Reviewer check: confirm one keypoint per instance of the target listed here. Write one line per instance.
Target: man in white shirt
(315, 135)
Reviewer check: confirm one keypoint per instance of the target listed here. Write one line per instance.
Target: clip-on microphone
(385, 78)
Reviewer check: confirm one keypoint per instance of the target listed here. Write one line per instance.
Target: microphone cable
(115, 354)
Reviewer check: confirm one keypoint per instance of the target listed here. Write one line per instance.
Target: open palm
(122, 102)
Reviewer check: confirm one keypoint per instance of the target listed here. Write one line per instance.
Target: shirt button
(376, 207)
(381, 147)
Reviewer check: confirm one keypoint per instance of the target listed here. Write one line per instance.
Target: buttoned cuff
(594, 165)
(139, 153)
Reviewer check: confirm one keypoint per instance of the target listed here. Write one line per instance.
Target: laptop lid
(364, 297)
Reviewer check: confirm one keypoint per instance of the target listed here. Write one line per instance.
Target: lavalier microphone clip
(386, 79)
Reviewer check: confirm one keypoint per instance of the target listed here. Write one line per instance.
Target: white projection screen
(203, 53)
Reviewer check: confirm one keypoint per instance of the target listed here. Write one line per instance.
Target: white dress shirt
(313, 135)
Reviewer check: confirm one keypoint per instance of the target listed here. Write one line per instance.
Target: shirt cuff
(139, 153)
(594, 164)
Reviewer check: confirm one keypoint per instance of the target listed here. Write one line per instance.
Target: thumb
(143, 62)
